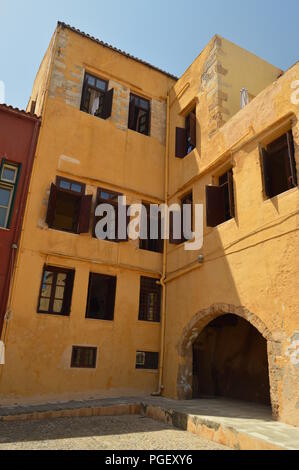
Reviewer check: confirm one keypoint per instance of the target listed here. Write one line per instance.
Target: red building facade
(18, 139)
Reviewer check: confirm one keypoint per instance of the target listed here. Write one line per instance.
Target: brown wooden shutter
(193, 129)
(265, 158)
(180, 142)
(111, 300)
(68, 293)
(292, 160)
(84, 214)
(107, 104)
(50, 217)
(231, 194)
(215, 205)
(172, 240)
(131, 113)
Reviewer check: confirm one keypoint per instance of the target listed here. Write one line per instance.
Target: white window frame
(11, 189)
(9, 167)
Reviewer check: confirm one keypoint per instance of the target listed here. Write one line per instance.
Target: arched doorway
(197, 325)
(230, 360)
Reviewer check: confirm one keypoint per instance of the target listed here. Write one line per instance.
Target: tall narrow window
(84, 357)
(220, 200)
(279, 165)
(8, 187)
(56, 291)
(105, 196)
(186, 201)
(69, 209)
(150, 300)
(152, 244)
(147, 360)
(96, 99)
(101, 297)
(139, 114)
(186, 137)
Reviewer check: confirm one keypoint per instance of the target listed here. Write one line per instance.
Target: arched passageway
(230, 359)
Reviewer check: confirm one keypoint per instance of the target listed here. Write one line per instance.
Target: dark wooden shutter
(172, 240)
(85, 96)
(68, 293)
(50, 217)
(265, 158)
(231, 194)
(84, 214)
(107, 104)
(111, 300)
(292, 160)
(215, 202)
(180, 142)
(193, 129)
(131, 113)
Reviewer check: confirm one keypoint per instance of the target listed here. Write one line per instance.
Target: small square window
(96, 99)
(84, 357)
(147, 360)
(56, 291)
(9, 174)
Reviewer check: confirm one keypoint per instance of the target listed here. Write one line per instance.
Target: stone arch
(191, 333)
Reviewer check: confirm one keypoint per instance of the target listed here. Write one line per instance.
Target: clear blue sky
(166, 33)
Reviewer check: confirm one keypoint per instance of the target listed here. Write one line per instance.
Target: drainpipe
(163, 278)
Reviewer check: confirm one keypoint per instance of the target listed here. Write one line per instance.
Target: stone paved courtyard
(99, 433)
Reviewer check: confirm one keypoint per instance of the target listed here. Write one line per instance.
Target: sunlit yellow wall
(250, 262)
(100, 154)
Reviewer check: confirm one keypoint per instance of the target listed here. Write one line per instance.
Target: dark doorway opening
(230, 360)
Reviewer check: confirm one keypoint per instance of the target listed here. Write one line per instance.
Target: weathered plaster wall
(251, 261)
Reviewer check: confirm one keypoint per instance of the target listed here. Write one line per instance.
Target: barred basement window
(150, 300)
(69, 209)
(147, 360)
(84, 358)
(139, 114)
(279, 165)
(186, 137)
(96, 99)
(220, 200)
(101, 297)
(56, 291)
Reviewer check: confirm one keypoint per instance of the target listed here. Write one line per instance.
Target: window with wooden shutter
(139, 114)
(105, 196)
(220, 201)
(68, 208)
(185, 201)
(96, 99)
(101, 297)
(186, 137)
(56, 291)
(180, 142)
(279, 165)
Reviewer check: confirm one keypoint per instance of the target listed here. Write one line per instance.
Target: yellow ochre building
(90, 318)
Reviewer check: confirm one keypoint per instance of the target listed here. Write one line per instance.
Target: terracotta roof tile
(19, 111)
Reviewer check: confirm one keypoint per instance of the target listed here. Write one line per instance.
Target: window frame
(11, 186)
(86, 349)
(147, 362)
(111, 302)
(132, 118)
(85, 88)
(144, 291)
(157, 245)
(216, 207)
(68, 290)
